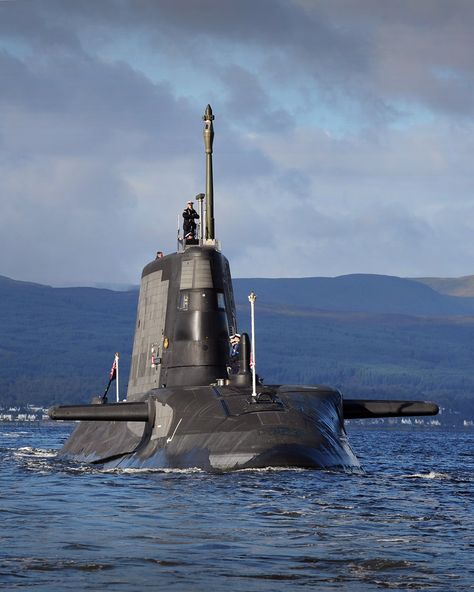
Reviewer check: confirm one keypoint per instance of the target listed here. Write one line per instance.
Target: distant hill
(462, 286)
(372, 336)
(378, 294)
(57, 344)
(371, 356)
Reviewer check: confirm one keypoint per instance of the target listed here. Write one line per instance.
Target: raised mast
(208, 134)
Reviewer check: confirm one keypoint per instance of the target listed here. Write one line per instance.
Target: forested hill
(57, 344)
(372, 336)
(355, 293)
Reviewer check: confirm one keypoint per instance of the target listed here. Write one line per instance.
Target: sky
(343, 135)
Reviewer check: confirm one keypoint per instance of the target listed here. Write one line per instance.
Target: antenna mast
(208, 134)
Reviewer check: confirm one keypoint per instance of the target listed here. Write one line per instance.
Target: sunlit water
(405, 524)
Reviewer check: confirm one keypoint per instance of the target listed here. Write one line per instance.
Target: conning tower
(186, 309)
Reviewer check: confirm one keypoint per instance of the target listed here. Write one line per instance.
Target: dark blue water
(406, 524)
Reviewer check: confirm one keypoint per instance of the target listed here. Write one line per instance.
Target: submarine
(186, 406)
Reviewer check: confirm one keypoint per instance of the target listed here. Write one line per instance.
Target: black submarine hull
(221, 428)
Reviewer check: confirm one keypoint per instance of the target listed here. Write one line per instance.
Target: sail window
(220, 301)
(183, 303)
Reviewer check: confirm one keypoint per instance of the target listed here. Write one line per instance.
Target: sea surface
(406, 523)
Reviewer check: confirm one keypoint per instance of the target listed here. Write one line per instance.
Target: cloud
(343, 135)
(95, 158)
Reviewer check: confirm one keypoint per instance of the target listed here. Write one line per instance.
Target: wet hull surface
(223, 428)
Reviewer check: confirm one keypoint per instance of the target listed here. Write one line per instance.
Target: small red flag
(113, 371)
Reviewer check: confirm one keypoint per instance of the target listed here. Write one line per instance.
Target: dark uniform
(189, 215)
(234, 366)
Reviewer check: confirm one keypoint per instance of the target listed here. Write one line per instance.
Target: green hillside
(372, 356)
(57, 344)
(355, 293)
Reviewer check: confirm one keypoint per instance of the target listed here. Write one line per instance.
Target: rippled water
(405, 524)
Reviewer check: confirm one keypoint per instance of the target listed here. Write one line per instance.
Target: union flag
(113, 370)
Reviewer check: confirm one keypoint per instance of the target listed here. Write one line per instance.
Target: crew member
(189, 224)
(234, 352)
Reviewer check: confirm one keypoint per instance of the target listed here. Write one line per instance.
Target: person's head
(190, 205)
(189, 235)
(235, 338)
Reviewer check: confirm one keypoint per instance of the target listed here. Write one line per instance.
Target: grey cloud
(378, 204)
(249, 101)
(74, 105)
(296, 183)
(95, 162)
(97, 158)
(410, 52)
(373, 54)
(32, 23)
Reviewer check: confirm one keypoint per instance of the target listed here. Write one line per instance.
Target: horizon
(115, 287)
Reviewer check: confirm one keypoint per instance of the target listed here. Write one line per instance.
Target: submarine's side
(222, 428)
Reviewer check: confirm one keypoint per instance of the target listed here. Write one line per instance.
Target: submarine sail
(186, 406)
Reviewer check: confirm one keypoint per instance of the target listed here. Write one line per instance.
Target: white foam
(27, 451)
(132, 471)
(14, 434)
(430, 475)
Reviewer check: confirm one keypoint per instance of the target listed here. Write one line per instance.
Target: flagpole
(252, 298)
(117, 376)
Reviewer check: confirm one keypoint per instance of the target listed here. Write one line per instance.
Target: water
(406, 524)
